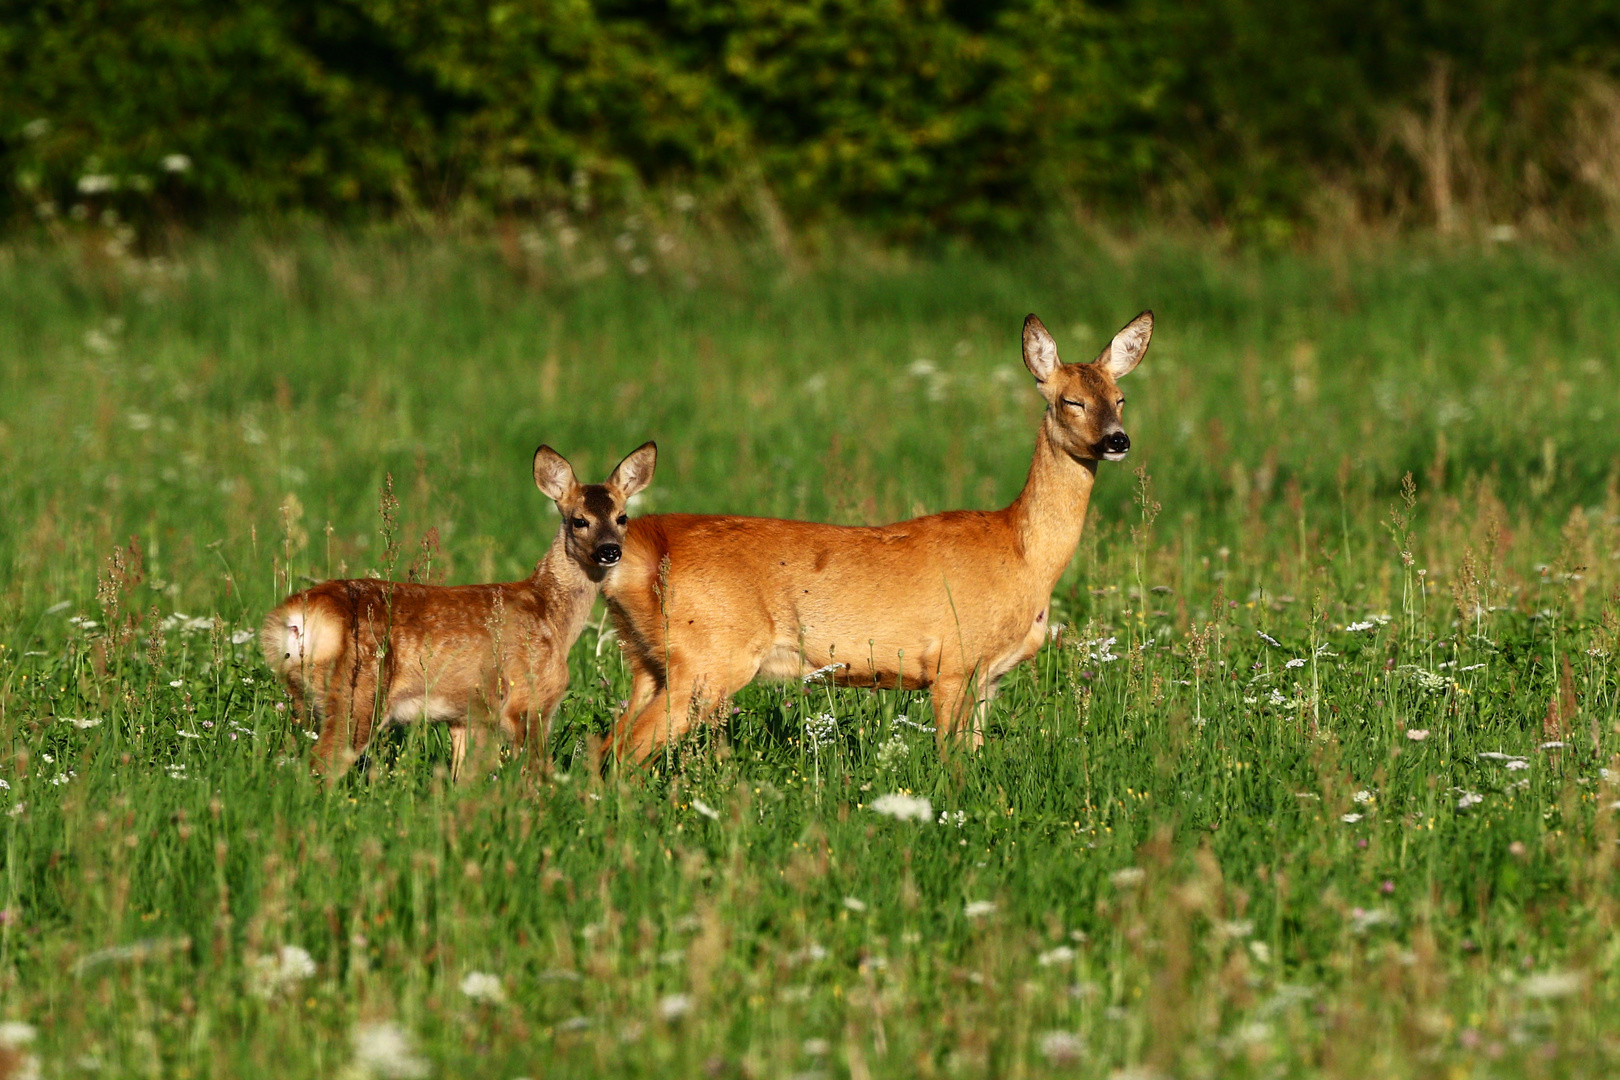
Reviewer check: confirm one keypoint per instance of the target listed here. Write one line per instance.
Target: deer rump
(405, 652)
(905, 605)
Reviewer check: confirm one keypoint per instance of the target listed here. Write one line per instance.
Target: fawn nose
(606, 554)
(1116, 442)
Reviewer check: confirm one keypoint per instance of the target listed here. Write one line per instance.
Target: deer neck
(565, 587)
(1050, 512)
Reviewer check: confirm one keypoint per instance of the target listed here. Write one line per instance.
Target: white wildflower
(1061, 1047)
(1552, 984)
(705, 809)
(892, 752)
(1363, 796)
(1268, 639)
(483, 987)
(812, 953)
(16, 1033)
(1468, 799)
(1417, 734)
(1295, 663)
(177, 683)
(242, 637)
(855, 905)
(977, 909)
(385, 1051)
(61, 778)
(1358, 627)
(1102, 650)
(1350, 819)
(1554, 745)
(1516, 764)
(1235, 928)
(280, 971)
(97, 184)
(1128, 878)
(674, 1006)
(822, 672)
(176, 163)
(959, 818)
(821, 728)
(1363, 920)
(904, 808)
(82, 722)
(817, 1047)
(1062, 954)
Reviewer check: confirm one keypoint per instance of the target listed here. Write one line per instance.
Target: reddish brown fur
(950, 602)
(364, 652)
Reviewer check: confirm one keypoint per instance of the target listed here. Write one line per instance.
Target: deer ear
(1128, 346)
(1040, 351)
(636, 470)
(552, 474)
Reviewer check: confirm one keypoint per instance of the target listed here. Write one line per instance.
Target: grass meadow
(1318, 779)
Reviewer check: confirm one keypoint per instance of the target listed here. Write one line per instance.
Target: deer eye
(578, 523)
(1077, 404)
(624, 519)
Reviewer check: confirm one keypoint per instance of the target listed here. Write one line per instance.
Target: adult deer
(951, 602)
(364, 652)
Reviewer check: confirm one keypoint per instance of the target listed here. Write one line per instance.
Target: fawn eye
(1077, 404)
(624, 519)
(578, 523)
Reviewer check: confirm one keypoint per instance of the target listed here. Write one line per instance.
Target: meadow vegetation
(1317, 778)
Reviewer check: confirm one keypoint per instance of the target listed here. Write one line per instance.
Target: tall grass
(1317, 778)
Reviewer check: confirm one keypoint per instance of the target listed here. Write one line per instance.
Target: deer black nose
(606, 554)
(1117, 442)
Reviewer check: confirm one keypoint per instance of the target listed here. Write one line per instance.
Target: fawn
(363, 652)
(951, 602)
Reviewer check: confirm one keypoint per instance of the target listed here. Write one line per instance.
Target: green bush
(914, 116)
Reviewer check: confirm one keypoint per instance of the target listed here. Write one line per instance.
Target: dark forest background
(912, 118)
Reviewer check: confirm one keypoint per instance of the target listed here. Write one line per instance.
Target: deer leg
(681, 701)
(529, 730)
(458, 748)
(346, 728)
(958, 711)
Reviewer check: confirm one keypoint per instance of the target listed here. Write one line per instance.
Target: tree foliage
(914, 116)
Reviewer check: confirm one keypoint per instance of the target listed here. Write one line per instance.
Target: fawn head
(594, 515)
(1083, 400)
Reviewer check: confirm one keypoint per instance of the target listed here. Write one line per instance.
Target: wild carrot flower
(386, 1052)
(483, 987)
(904, 808)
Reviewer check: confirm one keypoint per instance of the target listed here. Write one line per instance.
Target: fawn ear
(1040, 351)
(552, 474)
(635, 471)
(1128, 346)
